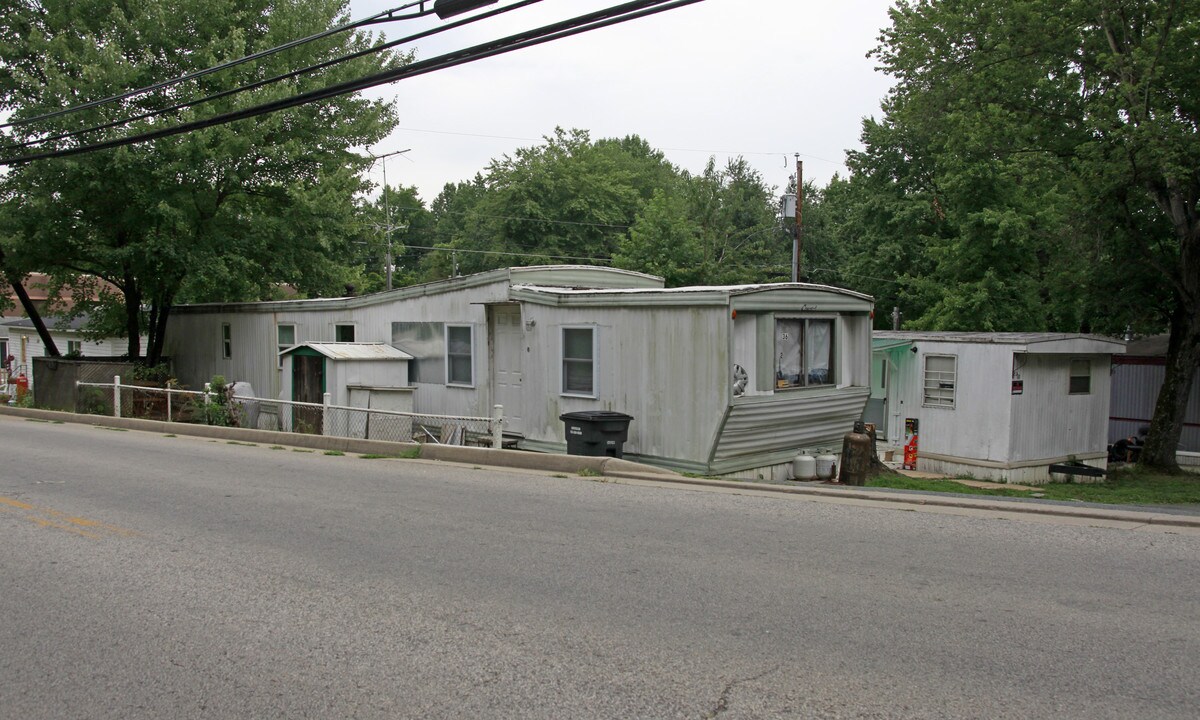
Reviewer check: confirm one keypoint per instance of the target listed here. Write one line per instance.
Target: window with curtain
(804, 352)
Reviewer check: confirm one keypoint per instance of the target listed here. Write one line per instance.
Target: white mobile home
(1001, 406)
(724, 380)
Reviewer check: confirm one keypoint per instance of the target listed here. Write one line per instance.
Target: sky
(764, 79)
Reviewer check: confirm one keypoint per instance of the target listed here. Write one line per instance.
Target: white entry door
(508, 349)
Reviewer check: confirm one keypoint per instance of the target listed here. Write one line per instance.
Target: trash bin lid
(595, 415)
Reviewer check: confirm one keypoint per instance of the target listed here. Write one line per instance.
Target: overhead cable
(278, 78)
(385, 16)
(567, 28)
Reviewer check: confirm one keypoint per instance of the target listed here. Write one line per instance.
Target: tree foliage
(1036, 169)
(223, 213)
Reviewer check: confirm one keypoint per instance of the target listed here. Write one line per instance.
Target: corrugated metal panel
(355, 351)
(787, 422)
(1135, 391)
(1048, 421)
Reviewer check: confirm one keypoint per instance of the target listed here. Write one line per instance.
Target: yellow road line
(50, 518)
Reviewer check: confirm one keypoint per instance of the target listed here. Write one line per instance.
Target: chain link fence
(226, 409)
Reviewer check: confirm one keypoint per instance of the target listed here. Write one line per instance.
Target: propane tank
(856, 455)
(827, 466)
(804, 467)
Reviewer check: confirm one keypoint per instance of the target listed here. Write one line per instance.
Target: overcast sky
(764, 79)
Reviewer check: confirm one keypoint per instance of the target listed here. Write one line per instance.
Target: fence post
(498, 427)
(116, 396)
(169, 393)
(326, 400)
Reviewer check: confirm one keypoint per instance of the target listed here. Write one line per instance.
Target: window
(803, 352)
(940, 380)
(459, 351)
(226, 341)
(579, 362)
(285, 338)
(75, 348)
(1081, 377)
(343, 333)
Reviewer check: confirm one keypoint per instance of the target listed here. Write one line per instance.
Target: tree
(1028, 117)
(224, 213)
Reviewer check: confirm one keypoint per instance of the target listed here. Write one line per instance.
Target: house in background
(731, 381)
(24, 343)
(1137, 376)
(998, 406)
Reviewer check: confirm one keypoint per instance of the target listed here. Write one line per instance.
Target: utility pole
(798, 230)
(387, 212)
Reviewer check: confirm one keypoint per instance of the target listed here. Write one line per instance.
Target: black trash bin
(596, 433)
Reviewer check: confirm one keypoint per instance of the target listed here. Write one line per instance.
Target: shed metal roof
(353, 351)
(1044, 342)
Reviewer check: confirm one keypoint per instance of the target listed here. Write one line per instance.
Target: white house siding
(24, 344)
(1051, 425)
(650, 366)
(976, 427)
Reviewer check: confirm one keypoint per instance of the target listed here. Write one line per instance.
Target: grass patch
(300, 450)
(37, 420)
(1123, 486)
(588, 472)
(375, 456)
(335, 453)
(235, 442)
(113, 429)
(560, 475)
(278, 447)
(171, 435)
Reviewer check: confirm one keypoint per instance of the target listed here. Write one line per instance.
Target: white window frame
(353, 329)
(281, 346)
(470, 355)
(937, 384)
(1071, 376)
(805, 371)
(75, 346)
(563, 360)
(226, 341)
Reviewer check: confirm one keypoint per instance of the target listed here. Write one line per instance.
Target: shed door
(508, 347)
(308, 381)
(877, 405)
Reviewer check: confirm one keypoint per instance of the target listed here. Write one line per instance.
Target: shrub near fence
(225, 408)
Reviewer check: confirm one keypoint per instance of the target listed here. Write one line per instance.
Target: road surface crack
(722, 703)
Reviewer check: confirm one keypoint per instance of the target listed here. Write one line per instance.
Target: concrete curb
(604, 466)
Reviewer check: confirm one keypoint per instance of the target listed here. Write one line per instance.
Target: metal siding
(1135, 391)
(977, 425)
(789, 421)
(1049, 422)
(667, 367)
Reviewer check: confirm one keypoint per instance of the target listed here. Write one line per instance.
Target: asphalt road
(144, 576)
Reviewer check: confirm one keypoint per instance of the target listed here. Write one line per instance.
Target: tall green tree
(1041, 129)
(227, 212)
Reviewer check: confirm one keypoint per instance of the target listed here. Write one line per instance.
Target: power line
(556, 31)
(512, 254)
(279, 78)
(390, 15)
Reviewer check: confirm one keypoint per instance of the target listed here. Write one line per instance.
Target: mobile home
(730, 380)
(999, 406)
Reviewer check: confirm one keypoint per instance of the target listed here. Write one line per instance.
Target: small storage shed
(370, 375)
(996, 406)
